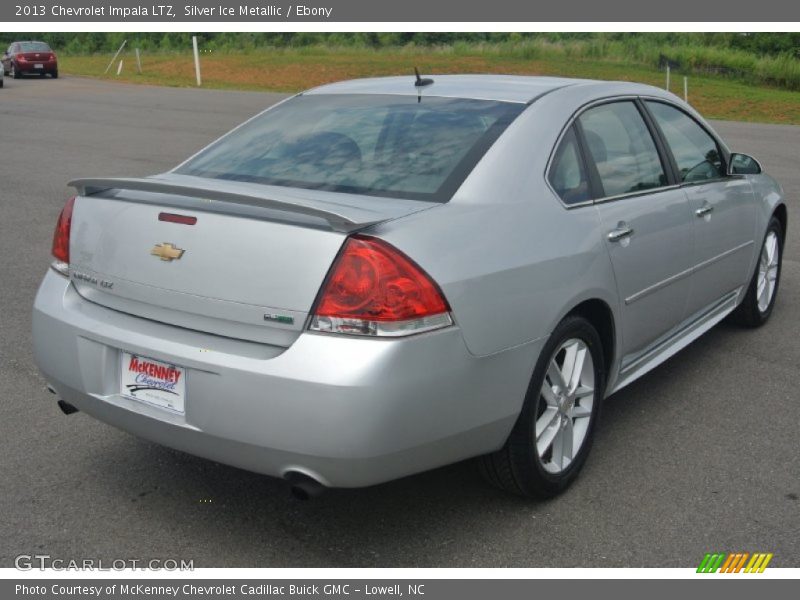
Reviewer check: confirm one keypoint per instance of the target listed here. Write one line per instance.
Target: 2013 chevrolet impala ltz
(378, 277)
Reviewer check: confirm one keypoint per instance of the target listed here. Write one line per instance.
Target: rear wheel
(54, 74)
(14, 72)
(757, 305)
(554, 432)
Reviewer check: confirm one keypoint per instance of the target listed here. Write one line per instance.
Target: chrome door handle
(619, 233)
(706, 210)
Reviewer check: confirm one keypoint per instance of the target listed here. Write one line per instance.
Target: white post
(115, 56)
(138, 62)
(196, 61)
(119, 68)
(667, 78)
(685, 89)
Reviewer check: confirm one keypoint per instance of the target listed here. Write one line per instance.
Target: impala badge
(167, 252)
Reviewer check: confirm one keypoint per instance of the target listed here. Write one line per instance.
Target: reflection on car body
(376, 278)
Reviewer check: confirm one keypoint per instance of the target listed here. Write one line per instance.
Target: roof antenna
(421, 83)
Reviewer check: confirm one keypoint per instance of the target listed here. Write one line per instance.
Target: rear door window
(696, 153)
(568, 173)
(621, 147)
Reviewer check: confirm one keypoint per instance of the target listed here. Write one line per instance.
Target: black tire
(748, 313)
(54, 74)
(15, 72)
(1, 83)
(42, 74)
(517, 467)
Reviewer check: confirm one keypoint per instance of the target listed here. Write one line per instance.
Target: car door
(646, 221)
(722, 206)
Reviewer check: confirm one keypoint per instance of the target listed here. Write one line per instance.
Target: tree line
(763, 44)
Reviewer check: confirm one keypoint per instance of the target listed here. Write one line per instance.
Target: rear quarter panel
(510, 258)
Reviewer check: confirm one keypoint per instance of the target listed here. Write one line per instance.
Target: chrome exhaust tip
(302, 486)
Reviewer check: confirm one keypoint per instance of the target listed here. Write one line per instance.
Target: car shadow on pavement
(445, 517)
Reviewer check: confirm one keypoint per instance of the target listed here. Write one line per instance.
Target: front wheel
(554, 432)
(757, 305)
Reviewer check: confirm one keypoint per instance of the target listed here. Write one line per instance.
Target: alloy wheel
(565, 405)
(767, 271)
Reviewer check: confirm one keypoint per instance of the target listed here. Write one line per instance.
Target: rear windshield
(378, 145)
(34, 47)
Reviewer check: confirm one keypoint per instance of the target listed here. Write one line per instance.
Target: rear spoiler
(334, 217)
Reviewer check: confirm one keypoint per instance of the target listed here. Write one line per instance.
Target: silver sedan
(378, 277)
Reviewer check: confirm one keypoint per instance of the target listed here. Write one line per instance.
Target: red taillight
(61, 235)
(374, 289)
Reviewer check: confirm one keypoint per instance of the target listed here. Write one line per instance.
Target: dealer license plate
(154, 382)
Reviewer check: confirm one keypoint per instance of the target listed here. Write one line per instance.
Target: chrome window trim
(636, 194)
(629, 97)
(687, 184)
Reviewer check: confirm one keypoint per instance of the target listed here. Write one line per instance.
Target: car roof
(503, 88)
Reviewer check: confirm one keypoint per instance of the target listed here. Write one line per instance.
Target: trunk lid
(250, 267)
(37, 56)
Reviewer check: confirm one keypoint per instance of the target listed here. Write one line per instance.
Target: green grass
(731, 96)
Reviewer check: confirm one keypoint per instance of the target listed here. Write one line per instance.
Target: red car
(30, 58)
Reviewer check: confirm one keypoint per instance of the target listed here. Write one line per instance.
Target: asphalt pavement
(700, 455)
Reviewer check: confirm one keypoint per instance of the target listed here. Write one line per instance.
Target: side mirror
(742, 164)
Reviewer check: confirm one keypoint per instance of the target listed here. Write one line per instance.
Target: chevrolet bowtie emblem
(167, 252)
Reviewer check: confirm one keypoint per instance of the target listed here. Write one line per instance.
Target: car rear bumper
(29, 67)
(348, 412)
